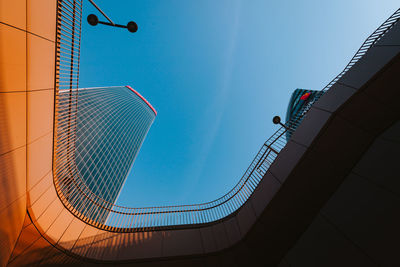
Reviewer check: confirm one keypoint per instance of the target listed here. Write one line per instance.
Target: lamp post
(277, 120)
(94, 20)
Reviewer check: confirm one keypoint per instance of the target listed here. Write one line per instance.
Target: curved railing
(75, 194)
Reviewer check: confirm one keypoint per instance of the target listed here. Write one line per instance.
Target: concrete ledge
(42, 204)
(368, 216)
(392, 37)
(12, 118)
(330, 248)
(49, 215)
(287, 160)
(182, 242)
(264, 192)
(392, 134)
(84, 241)
(96, 249)
(338, 139)
(208, 239)
(112, 245)
(380, 164)
(40, 59)
(363, 110)
(140, 246)
(71, 233)
(14, 13)
(39, 113)
(382, 91)
(39, 159)
(232, 230)
(60, 224)
(221, 238)
(12, 164)
(310, 126)
(332, 99)
(369, 65)
(39, 188)
(246, 217)
(39, 15)
(13, 55)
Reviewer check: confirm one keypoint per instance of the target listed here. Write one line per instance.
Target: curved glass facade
(300, 101)
(111, 125)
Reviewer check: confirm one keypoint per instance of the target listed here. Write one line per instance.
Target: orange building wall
(27, 49)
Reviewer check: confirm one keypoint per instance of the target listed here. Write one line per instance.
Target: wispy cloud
(218, 100)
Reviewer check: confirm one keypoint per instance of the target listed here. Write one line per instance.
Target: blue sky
(216, 72)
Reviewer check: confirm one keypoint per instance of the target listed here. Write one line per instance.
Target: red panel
(144, 99)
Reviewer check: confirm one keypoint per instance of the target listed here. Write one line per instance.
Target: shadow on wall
(33, 249)
(12, 167)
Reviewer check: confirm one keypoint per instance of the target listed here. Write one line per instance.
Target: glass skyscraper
(300, 101)
(111, 125)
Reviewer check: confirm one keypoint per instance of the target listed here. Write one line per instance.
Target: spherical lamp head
(93, 19)
(276, 120)
(132, 26)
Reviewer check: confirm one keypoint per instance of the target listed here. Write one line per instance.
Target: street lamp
(94, 20)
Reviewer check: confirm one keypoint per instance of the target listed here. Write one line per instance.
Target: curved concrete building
(329, 196)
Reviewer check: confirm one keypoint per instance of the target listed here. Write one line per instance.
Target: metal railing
(68, 35)
(75, 194)
(368, 43)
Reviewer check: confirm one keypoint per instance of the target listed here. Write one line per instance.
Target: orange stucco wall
(27, 48)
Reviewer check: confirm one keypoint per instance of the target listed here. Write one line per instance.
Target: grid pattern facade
(300, 102)
(111, 125)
